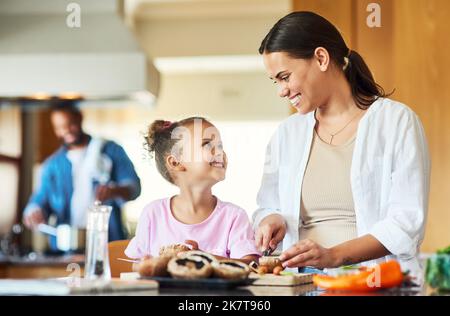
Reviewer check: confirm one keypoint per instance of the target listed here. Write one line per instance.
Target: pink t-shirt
(227, 232)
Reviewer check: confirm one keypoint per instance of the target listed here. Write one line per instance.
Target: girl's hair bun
(155, 130)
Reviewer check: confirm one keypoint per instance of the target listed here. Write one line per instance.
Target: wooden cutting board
(282, 290)
(259, 279)
(270, 279)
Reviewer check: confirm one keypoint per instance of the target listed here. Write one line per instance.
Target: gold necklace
(332, 135)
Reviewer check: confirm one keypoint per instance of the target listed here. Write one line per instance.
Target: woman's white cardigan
(390, 177)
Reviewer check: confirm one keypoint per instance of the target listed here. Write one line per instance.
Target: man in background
(82, 170)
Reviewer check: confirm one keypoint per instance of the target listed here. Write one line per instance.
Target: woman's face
(202, 154)
(301, 81)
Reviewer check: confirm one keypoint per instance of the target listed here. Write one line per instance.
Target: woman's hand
(308, 253)
(270, 232)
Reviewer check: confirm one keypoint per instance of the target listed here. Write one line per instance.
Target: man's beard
(79, 140)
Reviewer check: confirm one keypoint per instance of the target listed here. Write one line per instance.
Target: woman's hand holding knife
(270, 232)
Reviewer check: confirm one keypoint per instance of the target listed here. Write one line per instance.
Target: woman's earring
(346, 63)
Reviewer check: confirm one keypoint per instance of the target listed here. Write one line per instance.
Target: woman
(346, 179)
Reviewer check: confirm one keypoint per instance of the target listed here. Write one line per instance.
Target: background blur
(206, 55)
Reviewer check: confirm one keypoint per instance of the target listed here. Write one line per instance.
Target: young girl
(189, 154)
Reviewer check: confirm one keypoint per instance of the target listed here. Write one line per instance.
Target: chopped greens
(437, 272)
(286, 273)
(444, 251)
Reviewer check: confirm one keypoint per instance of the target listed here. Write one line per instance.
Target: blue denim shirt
(56, 187)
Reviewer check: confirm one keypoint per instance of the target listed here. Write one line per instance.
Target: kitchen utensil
(68, 238)
(128, 260)
(267, 252)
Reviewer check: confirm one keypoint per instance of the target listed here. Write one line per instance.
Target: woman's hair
(300, 33)
(161, 138)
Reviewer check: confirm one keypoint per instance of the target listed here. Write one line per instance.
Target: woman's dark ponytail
(364, 88)
(300, 33)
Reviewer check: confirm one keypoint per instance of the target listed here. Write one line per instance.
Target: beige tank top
(327, 211)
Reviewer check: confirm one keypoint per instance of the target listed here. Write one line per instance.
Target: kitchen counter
(244, 291)
(303, 290)
(45, 287)
(39, 266)
(44, 267)
(36, 259)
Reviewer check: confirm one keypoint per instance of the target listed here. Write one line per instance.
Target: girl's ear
(173, 164)
(322, 58)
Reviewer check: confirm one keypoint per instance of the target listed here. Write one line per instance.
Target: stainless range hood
(41, 56)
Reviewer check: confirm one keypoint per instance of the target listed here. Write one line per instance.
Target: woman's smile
(295, 100)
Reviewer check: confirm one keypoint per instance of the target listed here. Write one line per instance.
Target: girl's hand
(308, 253)
(136, 266)
(192, 243)
(270, 232)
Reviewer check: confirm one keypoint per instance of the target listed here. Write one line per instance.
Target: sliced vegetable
(277, 270)
(350, 267)
(382, 276)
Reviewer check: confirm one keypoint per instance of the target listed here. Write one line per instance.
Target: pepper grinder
(97, 257)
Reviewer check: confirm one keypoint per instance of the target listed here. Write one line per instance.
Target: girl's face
(202, 154)
(301, 81)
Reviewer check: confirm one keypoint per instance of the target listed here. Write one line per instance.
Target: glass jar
(97, 258)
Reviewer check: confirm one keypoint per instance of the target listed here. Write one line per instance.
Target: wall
(10, 131)
(10, 154)
(202, 28)
(239, 96)
(421, 64)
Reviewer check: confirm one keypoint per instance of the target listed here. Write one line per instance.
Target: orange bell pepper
(382, 276)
